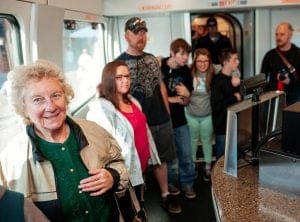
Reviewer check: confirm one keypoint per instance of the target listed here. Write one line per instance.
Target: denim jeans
(183, 167)
(220, 145)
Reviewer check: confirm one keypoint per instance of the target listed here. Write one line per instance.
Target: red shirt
(138, 122)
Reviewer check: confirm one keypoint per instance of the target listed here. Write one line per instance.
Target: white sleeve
(97, 114)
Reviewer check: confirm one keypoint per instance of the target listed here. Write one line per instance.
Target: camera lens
(282, 74)
(282, 77)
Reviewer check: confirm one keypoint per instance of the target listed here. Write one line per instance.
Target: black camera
(282, 74)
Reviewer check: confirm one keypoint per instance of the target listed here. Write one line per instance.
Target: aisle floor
(199, 209)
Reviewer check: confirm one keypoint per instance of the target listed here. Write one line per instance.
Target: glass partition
(10, 49)
(83, 58)
(249, 125)
(10, 56)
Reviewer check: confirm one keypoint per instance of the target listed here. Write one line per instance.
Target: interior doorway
(227, 25)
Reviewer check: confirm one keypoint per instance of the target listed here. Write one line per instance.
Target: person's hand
(176, 99)
(286, 81)
(238, 96)
(98, 183)
(181, 90)
(235, 81)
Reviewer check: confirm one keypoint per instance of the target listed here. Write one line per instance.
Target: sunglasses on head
(136, 22)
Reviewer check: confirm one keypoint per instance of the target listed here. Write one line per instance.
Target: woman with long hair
(198, 111)
(120, 114)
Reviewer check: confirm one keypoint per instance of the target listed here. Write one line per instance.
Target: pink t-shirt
(138, 122)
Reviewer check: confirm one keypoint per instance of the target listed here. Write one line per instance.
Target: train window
(83, 58)
(10, 49)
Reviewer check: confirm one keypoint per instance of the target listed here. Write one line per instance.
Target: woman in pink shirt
(138, 121)
(121, 115)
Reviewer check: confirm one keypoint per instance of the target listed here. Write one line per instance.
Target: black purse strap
(290, 67)
(134, 201)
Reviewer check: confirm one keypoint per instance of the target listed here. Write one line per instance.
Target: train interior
(82, 36)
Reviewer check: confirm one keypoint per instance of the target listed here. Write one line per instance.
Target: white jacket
(106, 115)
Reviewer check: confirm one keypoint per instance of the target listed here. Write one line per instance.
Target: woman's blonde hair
(21, 75)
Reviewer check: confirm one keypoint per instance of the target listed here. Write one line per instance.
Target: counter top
(243, 199)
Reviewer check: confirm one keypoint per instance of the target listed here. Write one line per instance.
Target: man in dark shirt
(273, 64)
(214, 41)
(224, 92)
(147, 87)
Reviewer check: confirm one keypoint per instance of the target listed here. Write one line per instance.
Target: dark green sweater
(69, 170)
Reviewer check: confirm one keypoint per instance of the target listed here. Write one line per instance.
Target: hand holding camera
(283, 75)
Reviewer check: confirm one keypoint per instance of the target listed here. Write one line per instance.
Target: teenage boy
(179, 82)
(224, 92)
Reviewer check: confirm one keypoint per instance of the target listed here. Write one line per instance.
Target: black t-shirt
(171, 78)
(145, 86)
(222, 96)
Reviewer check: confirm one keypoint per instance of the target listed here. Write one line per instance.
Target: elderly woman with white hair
(68, 167)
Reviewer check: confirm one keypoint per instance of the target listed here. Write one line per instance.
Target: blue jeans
(183, 166)
(220, 145)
